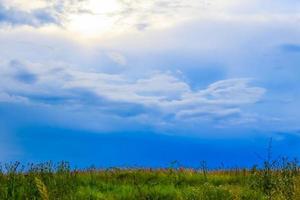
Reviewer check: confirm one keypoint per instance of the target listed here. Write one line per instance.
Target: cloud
(36, 17)
(21, 73)
(141, 15)
(219, 100)
(225, 90)
(208, 112)
(81, 74)
(5, 97)
(147, 91)
(158, 94)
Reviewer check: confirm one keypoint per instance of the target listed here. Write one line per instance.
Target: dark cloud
(83, 98)
(36, 18)
(104, 105)
(21, 73)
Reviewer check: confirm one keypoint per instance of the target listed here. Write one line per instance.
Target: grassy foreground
(275, 180)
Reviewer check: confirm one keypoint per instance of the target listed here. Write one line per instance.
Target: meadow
(274, 180)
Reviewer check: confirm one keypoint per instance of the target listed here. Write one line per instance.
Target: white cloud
(221, 99)
(207, 112)
(158, 91)
(233, 91)
(4, 97)
(90, 19)
(236, 35)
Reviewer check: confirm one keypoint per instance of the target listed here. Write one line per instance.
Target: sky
(144, 83)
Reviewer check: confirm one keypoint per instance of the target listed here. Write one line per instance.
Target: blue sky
(148, 82)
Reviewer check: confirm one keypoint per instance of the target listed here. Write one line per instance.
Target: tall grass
(275, 180)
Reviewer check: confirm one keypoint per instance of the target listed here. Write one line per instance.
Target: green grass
(274, 181)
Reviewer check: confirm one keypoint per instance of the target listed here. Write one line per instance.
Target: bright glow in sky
(95, 22)
(203, 69)
(90, 25)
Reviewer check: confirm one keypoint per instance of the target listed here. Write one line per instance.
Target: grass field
(272, 181)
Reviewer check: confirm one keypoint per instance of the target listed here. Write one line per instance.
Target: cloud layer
(161, 92)
(218, 63)
(36, 17)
